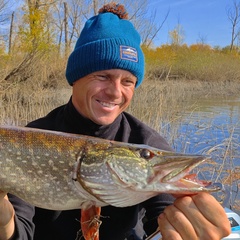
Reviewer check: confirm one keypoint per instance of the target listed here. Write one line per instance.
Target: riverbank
(154, 101)
(170, 106)
(157, 101)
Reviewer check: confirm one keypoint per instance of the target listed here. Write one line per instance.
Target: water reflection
(213, 128)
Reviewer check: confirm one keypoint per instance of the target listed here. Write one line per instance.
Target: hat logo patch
(128, 53)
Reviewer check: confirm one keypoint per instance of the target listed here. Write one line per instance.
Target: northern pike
(62, 171)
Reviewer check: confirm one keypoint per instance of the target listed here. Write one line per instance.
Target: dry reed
(159, 103)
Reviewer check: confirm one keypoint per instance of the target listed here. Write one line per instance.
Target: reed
(161, 102)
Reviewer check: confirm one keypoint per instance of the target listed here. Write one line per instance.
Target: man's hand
(195, 217)
(6, 217)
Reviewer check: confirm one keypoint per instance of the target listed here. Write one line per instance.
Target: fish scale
(61, 171)
(37, 168)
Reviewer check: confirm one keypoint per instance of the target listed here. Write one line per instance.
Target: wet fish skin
(61, 171)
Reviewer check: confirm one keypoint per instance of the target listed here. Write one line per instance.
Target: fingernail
(161, 216)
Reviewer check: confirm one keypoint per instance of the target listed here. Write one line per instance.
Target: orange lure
(90, 223)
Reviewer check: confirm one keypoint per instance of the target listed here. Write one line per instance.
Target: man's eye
(129, 82)
(101, 77)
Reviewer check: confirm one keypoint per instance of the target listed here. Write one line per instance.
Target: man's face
(101, 96)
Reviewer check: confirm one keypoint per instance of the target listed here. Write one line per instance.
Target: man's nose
(114, 89)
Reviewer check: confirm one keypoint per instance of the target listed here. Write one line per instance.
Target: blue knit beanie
(107, 41)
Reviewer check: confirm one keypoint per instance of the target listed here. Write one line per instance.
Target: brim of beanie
(103, 55)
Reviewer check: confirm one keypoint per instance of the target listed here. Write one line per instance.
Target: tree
(151, 30)
(233, 14)
(202, 39)
(10, 34)
(177, 35)
(43, 24)
(34, 38)
(139, 15)
(37, 21)
(3, 7)
(143, 20)
(4, 19)
(66, 27)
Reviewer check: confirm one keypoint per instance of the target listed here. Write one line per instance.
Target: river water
(212, 127)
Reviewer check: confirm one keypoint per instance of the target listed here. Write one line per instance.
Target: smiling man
(104, 70)
(102, 96)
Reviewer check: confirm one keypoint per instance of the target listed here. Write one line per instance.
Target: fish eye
(145, 153)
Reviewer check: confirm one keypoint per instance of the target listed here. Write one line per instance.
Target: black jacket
(117, 223)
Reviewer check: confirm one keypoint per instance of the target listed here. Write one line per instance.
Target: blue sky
(200, 19)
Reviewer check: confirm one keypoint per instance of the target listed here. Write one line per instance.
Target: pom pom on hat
(115, 8)
(107, 41)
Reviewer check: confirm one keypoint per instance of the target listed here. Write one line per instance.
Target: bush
(197, 62)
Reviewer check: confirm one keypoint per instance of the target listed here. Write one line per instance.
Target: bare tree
(202, 39)
(58, 22)
(66, 27)
(4, 16)
(65, 19)
(4, 21)
(81, 10)
(77, 12)
(144, 20)
(68, 19)
(10, 34)
(95, 7)
(233, 14)
(151, 29)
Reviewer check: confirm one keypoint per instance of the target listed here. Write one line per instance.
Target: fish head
(123, 174)
(145, 168)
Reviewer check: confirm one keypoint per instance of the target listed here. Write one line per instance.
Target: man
(104, 69)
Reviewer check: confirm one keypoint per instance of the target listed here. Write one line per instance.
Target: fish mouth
(176, 171)
(191, 181)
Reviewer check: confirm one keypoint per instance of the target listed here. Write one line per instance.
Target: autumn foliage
(194, 62)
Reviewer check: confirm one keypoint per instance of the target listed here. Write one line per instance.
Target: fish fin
(116, 196)
(90, 222)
